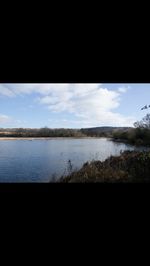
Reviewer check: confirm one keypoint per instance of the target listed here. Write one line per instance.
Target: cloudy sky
(72, 105)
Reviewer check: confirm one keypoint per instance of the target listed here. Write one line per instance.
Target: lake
(45, 160)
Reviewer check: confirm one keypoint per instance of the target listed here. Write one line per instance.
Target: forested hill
(103, 131)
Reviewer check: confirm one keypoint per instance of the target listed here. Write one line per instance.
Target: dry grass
(130, 166)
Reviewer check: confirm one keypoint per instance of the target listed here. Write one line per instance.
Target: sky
(72, 105)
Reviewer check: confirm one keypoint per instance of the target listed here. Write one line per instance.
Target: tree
(144, 123)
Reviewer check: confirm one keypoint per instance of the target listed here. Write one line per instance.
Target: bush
(139, 136)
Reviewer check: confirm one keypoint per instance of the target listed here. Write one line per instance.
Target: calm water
(43, 160)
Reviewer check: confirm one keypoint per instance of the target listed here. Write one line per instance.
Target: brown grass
(130, 166)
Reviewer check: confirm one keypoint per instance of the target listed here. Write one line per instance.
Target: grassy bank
(130, 166)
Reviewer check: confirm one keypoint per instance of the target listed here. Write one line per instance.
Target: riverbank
(16, 138)
(130, 166)
(135, 142)
(45, 138)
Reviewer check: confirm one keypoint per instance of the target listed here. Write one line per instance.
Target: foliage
(144, 123)
(140, 135)
(42, 132)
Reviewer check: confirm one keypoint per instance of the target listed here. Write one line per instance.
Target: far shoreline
(47, 138)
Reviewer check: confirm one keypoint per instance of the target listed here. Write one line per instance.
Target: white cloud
(4, 118)
(123, 89)
(5, 91)
(90, 104)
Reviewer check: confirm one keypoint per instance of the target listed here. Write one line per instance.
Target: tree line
(42, 132)
(61, 132)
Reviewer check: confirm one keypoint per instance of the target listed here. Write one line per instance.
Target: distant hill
(103, 130)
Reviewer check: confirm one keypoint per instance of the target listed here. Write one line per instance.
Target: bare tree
(144, 123)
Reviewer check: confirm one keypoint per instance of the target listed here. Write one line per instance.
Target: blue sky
(72, 105)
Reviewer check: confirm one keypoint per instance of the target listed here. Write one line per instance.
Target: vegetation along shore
(130, 166)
